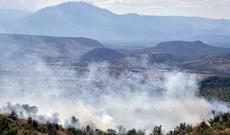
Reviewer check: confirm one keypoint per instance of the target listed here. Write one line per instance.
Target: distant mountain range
(85, 20)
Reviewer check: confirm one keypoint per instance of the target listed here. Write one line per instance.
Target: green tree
(157, 130)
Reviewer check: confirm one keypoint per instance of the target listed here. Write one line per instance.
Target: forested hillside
(217, 88)
(12, 125)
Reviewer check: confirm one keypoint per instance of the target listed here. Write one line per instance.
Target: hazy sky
(202, 8)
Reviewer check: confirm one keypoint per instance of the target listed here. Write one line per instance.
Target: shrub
(13, 115)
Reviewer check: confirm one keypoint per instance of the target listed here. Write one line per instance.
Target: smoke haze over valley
(97, 98)
(75, 64)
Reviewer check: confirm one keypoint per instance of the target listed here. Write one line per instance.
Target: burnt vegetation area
(12, 125)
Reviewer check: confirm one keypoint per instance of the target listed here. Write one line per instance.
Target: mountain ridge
(85, 20)
(190, 49)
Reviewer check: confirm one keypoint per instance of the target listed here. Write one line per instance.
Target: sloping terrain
(216, 88)
(216, 64)
(196, 56)
(49, 48)
(102, 54)
(187, 49)
(165, 58)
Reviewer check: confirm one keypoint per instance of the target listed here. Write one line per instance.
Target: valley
(99, 68)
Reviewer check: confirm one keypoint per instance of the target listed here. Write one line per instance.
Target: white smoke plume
(97, 98)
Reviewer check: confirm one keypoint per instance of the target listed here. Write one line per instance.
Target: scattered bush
(11, 125)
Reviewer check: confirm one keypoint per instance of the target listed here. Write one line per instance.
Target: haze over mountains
(15, 46)
(195, 55)
(8, 15)
(85, 20)
(188, 38)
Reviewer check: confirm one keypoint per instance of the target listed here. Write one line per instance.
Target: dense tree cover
(11, 125)
(217, 88)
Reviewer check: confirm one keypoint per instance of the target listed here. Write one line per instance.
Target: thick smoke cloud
(100, 98)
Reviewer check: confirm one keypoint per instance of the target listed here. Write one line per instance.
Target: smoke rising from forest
(97, 98)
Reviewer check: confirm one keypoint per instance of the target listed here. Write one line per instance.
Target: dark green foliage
(217, 88)
(202, 128)
(33, 123)
(88, 128)
(29, 121)
(218, 125)
(111, 132)
(140, 132)
(4, 123)
(99, 132)
(12, 131)
(7, 127)
(88, 131)
(181, 129)
(157, 130)
(73, 131)
(132, 132)
(222, 119)
(13, 115)
(52, 128)
(135, 132)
